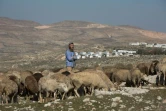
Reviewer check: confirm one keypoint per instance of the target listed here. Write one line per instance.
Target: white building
(83, 57)
(78, 56)
(163, 46)
(123, 52)
(134, 43)
(76, 53)
(157, 45)
(83, 53)
(143, 43)
(149, 45)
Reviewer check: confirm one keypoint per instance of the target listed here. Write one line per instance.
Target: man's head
(71, 46)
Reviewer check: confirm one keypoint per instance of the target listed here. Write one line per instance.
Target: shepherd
(70, 57)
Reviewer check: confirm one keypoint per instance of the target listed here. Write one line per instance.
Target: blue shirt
(70, 61)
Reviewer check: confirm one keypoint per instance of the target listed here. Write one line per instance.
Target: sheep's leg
(75, 90)
(13, 97)
(157, 80)
(85, 90)
(2, 99)
(92, 90)
(46, 99)
(63, 95)
(164, 79)
(27, 94)
(134, 83)
(40, 97)
(54, 95)
(6, 98)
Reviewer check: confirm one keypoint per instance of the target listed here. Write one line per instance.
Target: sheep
(63, 79)
(121, 75)
(161, 69)
(87, 79)
(100, 72)
(163, 60)
(137, 76)
(46, 72)
(24, 74)
(9, 88)
(37, 76)
(109, 71)
(31, 85)
(50, 85)
(15, 79)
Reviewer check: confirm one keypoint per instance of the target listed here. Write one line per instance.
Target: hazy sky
(146, 14)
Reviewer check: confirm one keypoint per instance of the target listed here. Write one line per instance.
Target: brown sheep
(31, 85)
(37, 76)
(122, 75)
(148, 68)
(137, 76)
(111, 72)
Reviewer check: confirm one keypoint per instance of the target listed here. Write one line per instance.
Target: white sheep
(88, 79)
(104, 77)
(63, 79)
(8, 87)
(50, 85)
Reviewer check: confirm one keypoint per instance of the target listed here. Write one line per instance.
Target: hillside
(26, 41)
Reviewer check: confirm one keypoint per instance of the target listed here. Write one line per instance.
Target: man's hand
(74, 57)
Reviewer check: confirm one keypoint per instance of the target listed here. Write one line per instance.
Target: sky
(146, 14)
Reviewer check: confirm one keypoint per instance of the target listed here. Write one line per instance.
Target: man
(70, 57)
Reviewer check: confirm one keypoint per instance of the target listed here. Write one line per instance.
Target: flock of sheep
(62, 84)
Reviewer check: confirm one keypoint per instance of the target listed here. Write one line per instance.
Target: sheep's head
(63, 87)
(144, 77)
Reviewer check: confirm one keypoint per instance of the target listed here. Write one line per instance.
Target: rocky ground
(127, 99)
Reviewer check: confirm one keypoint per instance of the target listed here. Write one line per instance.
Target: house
(143, 43)
(123, 52)
(82, 53)
(163, 46)
(157, 45)
(83, 57)
(134, 43)
(149, 45)
(78, 56)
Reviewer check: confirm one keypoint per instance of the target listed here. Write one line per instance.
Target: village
(156, 45)
(119, 52)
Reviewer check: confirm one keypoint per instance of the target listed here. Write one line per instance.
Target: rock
(48, 104)
(159, 98)
(114, 104)
(100, 96)
(122, 106)
(70, 109)
(117, 99)
(86, 100)
(93, 101)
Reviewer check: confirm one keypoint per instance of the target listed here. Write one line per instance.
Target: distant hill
(8, 21)
(129, 26)
(68, 23)
(22, 40)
